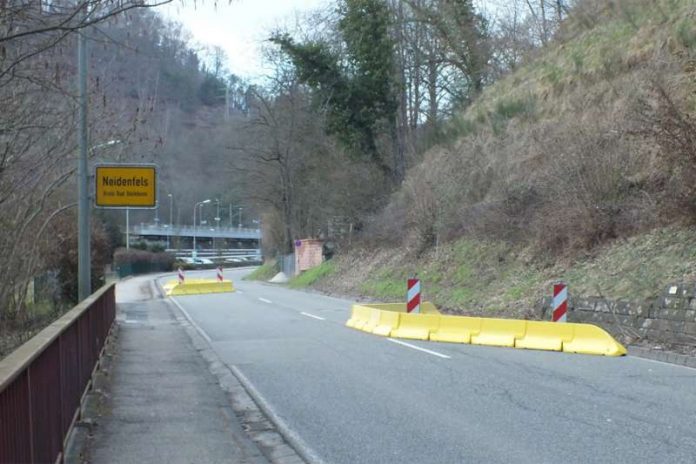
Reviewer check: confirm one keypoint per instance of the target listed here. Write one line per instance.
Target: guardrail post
(560, 302)
(413, 296)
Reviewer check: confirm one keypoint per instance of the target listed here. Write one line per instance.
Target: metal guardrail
(201, 232)
(42, 382)
(215, 251)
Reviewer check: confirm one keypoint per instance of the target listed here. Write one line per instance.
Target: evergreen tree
(357, 89)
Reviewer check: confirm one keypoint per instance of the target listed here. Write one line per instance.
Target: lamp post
(156, 213)
(217, 223)
(195, 225)
(260, 247)
(240, 218)
(171, 210)
(83, 242)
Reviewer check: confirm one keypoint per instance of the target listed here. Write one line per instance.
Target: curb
(669, 357)
(278, 443)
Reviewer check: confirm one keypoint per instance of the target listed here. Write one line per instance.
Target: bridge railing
(42, 382)
(200, 231)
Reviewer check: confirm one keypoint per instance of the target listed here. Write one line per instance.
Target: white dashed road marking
(434, 353)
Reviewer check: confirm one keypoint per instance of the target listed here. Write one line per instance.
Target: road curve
(353, 398)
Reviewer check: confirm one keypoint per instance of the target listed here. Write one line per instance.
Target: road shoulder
(161, 396)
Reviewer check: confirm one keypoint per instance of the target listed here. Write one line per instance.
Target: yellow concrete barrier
(388, 321)
(426, 307)
(456, 329)
(359, 317)
(499, 332)
(199, 287)
(545, 336)
(590, 339)
(391, 320)
(372, 320)
(416, 326)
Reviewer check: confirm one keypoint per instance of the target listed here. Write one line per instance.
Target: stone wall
(669, 319)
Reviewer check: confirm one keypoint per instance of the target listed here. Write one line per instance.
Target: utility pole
(83, 240)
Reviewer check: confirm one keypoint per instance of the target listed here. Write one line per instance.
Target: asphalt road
(353, 397)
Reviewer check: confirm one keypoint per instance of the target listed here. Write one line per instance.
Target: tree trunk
(559, 10)
(399, 170)
(432, 90)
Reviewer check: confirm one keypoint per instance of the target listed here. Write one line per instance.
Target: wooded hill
(579, 162)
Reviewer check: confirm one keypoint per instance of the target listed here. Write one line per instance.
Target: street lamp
(260, 230)
(169, 231)
(195, 207)
(84, 266)
(240, 218)
(217, 223)
(105, 144)
(156, 213)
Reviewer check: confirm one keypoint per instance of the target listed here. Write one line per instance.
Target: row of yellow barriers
(197, 287)
(391, 320)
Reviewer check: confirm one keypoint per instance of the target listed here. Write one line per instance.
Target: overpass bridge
(206, 237)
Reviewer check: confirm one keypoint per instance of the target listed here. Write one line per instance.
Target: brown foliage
(591, 174)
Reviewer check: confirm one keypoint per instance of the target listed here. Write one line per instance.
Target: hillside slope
(577, 166)
(494, 278)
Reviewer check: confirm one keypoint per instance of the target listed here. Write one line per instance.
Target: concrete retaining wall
(671, 318)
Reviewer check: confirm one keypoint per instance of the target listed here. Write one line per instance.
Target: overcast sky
(238, 27)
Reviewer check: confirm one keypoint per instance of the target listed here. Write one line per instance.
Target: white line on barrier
(195, 326)
(434, 353)
(312, 315)
(265, 300)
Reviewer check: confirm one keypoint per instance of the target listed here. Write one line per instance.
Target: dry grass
(578, 166)
(575, 148)
(494, 278)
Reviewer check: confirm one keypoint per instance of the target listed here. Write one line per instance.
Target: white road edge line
(658, 361)
(434, 353)
(265, 300)
(312, 315)
(195, 326)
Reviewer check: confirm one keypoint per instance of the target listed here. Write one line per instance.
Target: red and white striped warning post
(219, 274)
(560, 302)
(181, 276)
(413, 298)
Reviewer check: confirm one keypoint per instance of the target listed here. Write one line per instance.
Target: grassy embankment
(495, 278)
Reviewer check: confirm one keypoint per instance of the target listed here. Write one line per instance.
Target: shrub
(264, 272)
(133, 261)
